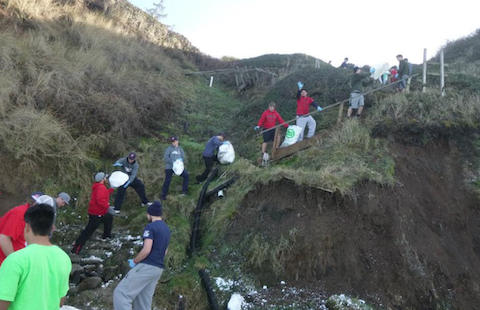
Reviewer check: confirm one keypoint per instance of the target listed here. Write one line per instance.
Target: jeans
(138, 186)
(168, 179)
(208, 168)
(93, 222)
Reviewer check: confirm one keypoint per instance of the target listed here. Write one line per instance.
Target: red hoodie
(270, 118)
(99, 203)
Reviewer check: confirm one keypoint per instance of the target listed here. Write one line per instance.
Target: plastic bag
(178, 167)
(380, 70)
(226, 153)
(292, 135)
(117, 179)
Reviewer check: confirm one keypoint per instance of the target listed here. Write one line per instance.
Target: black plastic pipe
(219, 188)
(208, 288)
(198, 212)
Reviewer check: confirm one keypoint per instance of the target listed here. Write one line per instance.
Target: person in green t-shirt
(37, 276)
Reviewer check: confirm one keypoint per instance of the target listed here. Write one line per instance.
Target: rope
(335, 104)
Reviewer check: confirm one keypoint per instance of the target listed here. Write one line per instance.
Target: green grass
(417, 110)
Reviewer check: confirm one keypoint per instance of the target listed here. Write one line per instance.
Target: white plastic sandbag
(178, 167)
(117, 179)
(379, 70)
(292, 135)
(226, 153)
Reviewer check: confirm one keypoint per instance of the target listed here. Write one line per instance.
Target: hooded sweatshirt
(270, 118)
(171, 155)
(99, 202)
(129, 168)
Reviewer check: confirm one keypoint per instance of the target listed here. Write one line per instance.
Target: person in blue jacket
(209, 155)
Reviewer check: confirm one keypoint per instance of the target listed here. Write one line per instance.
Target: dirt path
(415, 245)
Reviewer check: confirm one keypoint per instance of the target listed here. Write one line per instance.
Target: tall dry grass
(77, 86)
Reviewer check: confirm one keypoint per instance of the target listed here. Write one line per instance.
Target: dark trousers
(168, 179)
(93, 222)
(208, 167)
(137, 185)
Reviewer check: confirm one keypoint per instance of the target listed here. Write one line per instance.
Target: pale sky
(365, 31)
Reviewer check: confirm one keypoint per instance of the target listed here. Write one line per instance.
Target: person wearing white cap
(97, 212)
(12, 226)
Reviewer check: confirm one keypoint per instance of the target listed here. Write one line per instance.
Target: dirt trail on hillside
(412, 246)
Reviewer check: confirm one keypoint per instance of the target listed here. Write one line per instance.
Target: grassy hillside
(80, 88)
(77, 88)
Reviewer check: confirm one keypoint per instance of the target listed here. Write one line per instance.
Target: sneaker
(116, 211)
(163, 198)
(184, 194)
(147, 204)
(109, 237)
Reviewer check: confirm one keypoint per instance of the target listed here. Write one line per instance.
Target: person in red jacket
(98, 212)
(304, 118)
(12, 226)
(269, 119)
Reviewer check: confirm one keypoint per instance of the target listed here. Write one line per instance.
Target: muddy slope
(413, 246)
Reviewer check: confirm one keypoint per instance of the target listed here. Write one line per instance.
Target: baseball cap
(132, 156)
(35, 195)
(45, 199)
(173, 138)
(155, 209)
(100, 176)
(65, 197)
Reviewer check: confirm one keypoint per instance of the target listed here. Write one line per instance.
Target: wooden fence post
(276, 142)
(424, 80)
(442, 74)
(340, 114)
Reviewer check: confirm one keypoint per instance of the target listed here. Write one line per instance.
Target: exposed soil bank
(415, 245)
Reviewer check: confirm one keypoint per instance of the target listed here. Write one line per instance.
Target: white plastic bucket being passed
(117, 179)
(292, 135)
(226, 153)
(178, 167)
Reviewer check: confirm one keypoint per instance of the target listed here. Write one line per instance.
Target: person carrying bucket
(172, 154)
(303, 111)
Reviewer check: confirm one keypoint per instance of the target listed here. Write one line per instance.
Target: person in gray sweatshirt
(129, 166)
(173, 153)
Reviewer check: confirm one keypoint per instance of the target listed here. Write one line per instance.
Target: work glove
(131, 263)
(372, 70)
(319, 108)
(117, 165)
(126, 184)
(225, 142)
(256, 128)
(396, 75)
(300, 85)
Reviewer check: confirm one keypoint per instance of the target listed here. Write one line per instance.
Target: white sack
(178, 167)
(118, 179)
(380, 70)
(236, 302)
(226, 153)
(292, 135)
